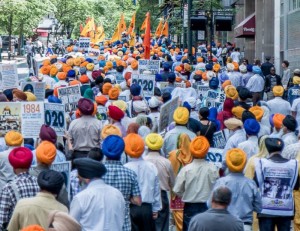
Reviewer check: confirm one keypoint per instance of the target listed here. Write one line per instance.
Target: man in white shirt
(279, 105)
(99, 206)
(236, 55)
(256, 84)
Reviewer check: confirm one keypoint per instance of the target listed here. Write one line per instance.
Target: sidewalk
(17, 58)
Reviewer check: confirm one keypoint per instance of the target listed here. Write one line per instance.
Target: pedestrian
(217, 217)
(115, 115)
(289, 127)
(291, 151)
(195, 181)
(285, 106)
(236, 55)
(208, 128)
(258, 112)
(256, 84)
(293, 93)
(286, 75)
(271, 81)
(266, 66)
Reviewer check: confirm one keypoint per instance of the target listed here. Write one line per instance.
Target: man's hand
(154, 215)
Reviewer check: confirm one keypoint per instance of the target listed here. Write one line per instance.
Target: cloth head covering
(247, 115)
(84, 79)
(230, 67)
(51, 181)
(134, 145)
(238, 112)
(133, 128)
(48, 133)
(233, 123)
(71, 73)
(209, 67)
(120, 104)
(46, 152)
(236, 66)
(113, 93)
(154, 141)
(13, 138)
(135, 89)
(249, 67)
(256, 70)
(181, 116)
(274, 145)
(89, 168)
(62, 221)
(258, 112)
(191, 101)
(33, 228)
(106, 87)
(244, 93)
(243, 68)
(20, 158)
(199, 147)
(290, 123)
(139, 106)
(277, 120)
(278, 91)
(228, 105)
(61, 75)
(30, 96)
(183, 145)
(115, 113)
(153, 102)
(296, 80)
(101, 99)
(110, 129)
(53, 99)
(226, 83)
(251, 127)
(113, 147)
(231, 92)
(19, 94)
(213, 113)
(85, 106)
(89, 94)
(236, 160)
(214, 83)
(90, 66)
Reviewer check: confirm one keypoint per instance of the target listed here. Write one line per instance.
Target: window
(294, 4)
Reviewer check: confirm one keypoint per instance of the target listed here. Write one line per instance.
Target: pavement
(17, 58)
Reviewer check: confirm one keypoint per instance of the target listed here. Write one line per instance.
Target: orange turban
(61, 75)
(101, 99)
(277, 120)
(199, 60)
(13, 138)
(231, 92)
(238, 111)
(84, 79)
(199, 147)
(236, 160)
(77, 61)
(236, 66)
(113, 93)
(187, 67)
(33, 228)
(45, 70)
(134, 65)
(226, 83)
(109, 64)
(134, 145)
(178, 69)
(106, 87)
(46, 152)
(70, 62)
(258, 112)
(46, 62)
(66, 68)
(84, 64)
(216, 67)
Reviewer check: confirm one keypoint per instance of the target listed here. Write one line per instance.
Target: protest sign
(146, 82)
(55, 117)
(124, 98)
(181, 85)
(84, 43)
(149, 65)
(163, 85)
(32, 114)
(166, 113)
(101, 112)
(119, 77)
(219, 140)
(202, 91)
(8, 76)
(215, 156)
(36, 88)
(94, 52)
(69, 96)
(10, 117)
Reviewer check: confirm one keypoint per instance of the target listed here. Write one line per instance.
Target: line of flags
(92, 30)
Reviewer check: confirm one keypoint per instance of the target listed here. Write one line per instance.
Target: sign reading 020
(31, 108)
(54, 118)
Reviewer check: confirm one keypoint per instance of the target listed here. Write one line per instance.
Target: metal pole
(189, 31)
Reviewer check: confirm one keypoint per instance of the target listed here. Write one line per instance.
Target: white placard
(181, 85)
(219, 140)
(55, 117)
(202, 91)
(95, 52)
(32, 114)
(84, 43)
(147, 83)
(166, 113)
(69, 96)
(8, 76)
(149, 65)
(215, 156)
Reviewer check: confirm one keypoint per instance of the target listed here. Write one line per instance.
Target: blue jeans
(269, 223)
(190, 210)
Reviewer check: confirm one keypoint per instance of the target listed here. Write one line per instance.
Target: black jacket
(268, 82)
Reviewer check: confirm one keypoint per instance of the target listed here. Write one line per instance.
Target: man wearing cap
(120, 177)
(181, 118)
(22, 186)
(99, 206)
(35, 210)
(142, 217)
(195, 181)
(276, 178)
(279, 105)
(217, 217)
(289, 128)
(12, 139)
(84, 133)
(246, 197)
(166, 176)
(250, 146)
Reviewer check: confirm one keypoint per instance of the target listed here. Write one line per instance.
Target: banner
(69, 96)
(202, 91)
(55, 117)
(147, 82)
(36, 88)
(215, 156)
(95, 52)
(219, 140)
(32, 114)
(9, 76)
(10, 117)
(84, 43)
(149, 65)
(166, 113)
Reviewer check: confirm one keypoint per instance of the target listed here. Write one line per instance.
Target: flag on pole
(116, 35)
(90, 26)
(147, 37)
(143, 27)
(132, 25)
(132, 39)
(122, 24)
(159, 29)
(165, 30)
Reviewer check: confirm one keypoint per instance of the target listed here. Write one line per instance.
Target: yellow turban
(90, 66)
(258, 112)
(231, 92)
(134, 145)
(236, 160)
(199, 147)
(46, 152)
(296, 80)
(216, 67)
(278, 90)
(233, 123)
(154, 141)
(238, 111)
(30, 96)
(120, 104)
(181, 116)
(13, 138)
(110, 129)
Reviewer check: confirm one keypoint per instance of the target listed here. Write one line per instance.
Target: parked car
(5, 41)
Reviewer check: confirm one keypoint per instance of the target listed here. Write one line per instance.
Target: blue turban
(53, 99)
(89, 60)
(209, 67)
(214, 83)
(158, 77)
(249, 67)
(166, 66)
(135, 89)
(172, 77)
(271, 120)
(113, 147)
(64, 60)
(29, 146)
(251, 127)
(102, 63)
(256, 70)
(187, 106)
(82, 70)
(213, 113)
(178, 58)
(223, 77)
(71, 73)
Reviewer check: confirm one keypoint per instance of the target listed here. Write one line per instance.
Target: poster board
(55, 117)
(9, 76)
(181, 85)
(219, 140)
(202, 91)
(215, 156)
(84, 43)
(147, 82)
(149, 65)
(10, 117)
(32, 118)
(36, 88)
(166, 113)
(69, 96)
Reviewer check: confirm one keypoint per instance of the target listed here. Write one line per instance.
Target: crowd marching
(134, 168)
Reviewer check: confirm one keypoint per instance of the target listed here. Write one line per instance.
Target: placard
(10, 117)
(147, 82)
(181, 85)
(215, 156)
(32, 114)
(55, 117)
(101, 112)
(8, 76)
(36, 88)
(202, 91)
(119, 78)
(166, 113)
(95, 52)
(149, 65)
(163, 85)
(69, 96)
(84, 43)
(219, 140)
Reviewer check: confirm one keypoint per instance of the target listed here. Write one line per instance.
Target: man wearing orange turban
(195, 181)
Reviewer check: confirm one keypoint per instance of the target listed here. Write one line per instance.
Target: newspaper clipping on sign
(32, 114)
(36, 88)
(10, 117)
(149, 65)
(55, 117)
(8, 76)
(69, 96)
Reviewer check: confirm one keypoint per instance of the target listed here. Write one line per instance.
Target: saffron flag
(132, 40)
(116, 35)
(165, 30)
(122, 24)
(143, 27)
(159, 29)
(90, 26)
(132, 25)
(147, 37)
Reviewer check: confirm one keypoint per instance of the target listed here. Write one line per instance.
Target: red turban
(115, 113)
(20, 158)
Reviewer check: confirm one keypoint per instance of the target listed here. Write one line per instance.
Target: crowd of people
(130, 173)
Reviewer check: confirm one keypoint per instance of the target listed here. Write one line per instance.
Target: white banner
(84, 43)
(8, 76)
(32, 114)
(69, 96)
(147, 83)
(166, 113)
(149, 65)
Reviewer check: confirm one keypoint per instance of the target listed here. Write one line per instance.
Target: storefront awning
(246, 28)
